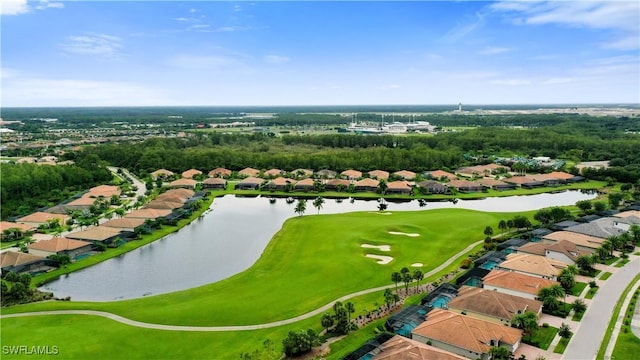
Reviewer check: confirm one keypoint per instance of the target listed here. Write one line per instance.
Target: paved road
(142, 188)
(237, 327)
(585, 343)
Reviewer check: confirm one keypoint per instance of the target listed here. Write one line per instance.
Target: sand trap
(382, 260)
(405, 234)
(379, 213)
(379, 247)
(417, 264)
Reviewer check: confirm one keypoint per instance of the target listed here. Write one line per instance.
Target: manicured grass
(591, 293)
(8, 244)
(622, 263)
(577, 316)
(562, 346)
(576, 290)
(605, 276)
(614, 317)
(611, 260)
(542, 337)
(322, 253)
(345, 346)
(627, 346)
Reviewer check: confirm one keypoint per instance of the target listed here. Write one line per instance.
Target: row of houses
(167, 207)
(467, 319)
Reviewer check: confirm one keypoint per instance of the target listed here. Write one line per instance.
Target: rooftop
(516, 281)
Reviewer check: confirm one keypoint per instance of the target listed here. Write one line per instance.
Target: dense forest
(26, 187)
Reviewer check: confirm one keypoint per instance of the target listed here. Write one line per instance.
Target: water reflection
(232, 236)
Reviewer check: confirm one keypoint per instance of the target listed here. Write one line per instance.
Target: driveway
(588, 336)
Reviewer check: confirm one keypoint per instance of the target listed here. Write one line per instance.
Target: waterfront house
(280, 184)
(466, 186)
(60, 246)
(495, 184)
(250, 183)
(379, 174)
(491, 305)
(533, 265)
(351, 174)
(514, 283)
(183, 183)
(129, 225)
(152, 214)
(97, 234)
(337, 184)
(402, 348)
(20, 262)
(399, 187)
(370, 185)
(305, 185)
(524, 182)
(214, 183)
(434, 187)
(405, 174)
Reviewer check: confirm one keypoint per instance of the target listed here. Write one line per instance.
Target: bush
(466, 264)
(545, 325)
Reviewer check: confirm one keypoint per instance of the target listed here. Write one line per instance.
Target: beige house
(19, 262)
(184, 183)
(402, 348)
(250, 183)
(96, 234)
(405, 174)
(370, 185)
(151, 214)
(125, 224)
(441, 174)
(38, 218)
(189, 174)
(379, 174)
(465, 335)
(161, 173)
(214, 183)
(563, 250)
(491, 305)
(533, 265)
(219, 173)
(60, 246)
(273, 172)
(249, 172)
(351, 174)
(582, 242)
(22, 228)
(399, 187)
(516, 284)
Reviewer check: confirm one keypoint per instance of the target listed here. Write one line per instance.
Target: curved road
(315, 312)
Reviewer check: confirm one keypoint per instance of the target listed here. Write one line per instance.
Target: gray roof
(604, 227)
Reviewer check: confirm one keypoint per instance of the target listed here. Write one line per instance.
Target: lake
(231, 236)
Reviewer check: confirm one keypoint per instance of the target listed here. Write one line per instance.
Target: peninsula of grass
(576, 290)
(322, 253)
(591, 293)
(562, 346)
(542, 338)
(621, 263)
(605, 276)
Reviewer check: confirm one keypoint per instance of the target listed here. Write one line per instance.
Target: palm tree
(388, 296)
(567, 279)
(584, 262)
(528, 321)
(327, 321)
(502, 225)
(301, 207)
(350, 310)
(317, 203)
(549, 296)
(396, 277)
(602, 253)
(418, 275)
(407, 278)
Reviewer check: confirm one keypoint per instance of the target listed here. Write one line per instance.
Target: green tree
(327, 321)
(418, 275)
(396, 277)
(564, 331)
(528, 321)
(584, 205)
(301, 207)
(318, 203)
(25, 279)
(549, 296)
(299, 342)
(599, 206)
(502, 225)
(499, 353)
(350, 310)
(567, 279)
(579, 306)
(585, 262)
(388, 297)
(488, 231)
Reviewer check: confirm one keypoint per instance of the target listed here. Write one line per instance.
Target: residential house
(515, 283)
(481, 170)
(563, 250)
(307, 184)
(441, 174)
(183, 183)
(466, 186)
(20, 262)
(250, 183)
(302, 173)
(399, 187)
(129, 225)
(191, 173)
(40, 218)
(434, 187)
(402, 348)
(105, 191)
(537, 234)
(96, 234)
(605, 227)
(182, 193)
(280, 184)
(464, 335)
(249, 172)
(491, 305)
(219, 173)
(60, 246)
(379, 174)
(337, 184)
(562, 225)
(214, 183)
(15, 230)
(351, 174)
(405, 174)
(555, 178)
(533, 265)
(163, 204)
(161, 174)
(524, 182)
(81, 203)
(367, 185)
(326, 174)
(152, 214)
(583, 242)
(273, 173)
(628, 213)
(495, 184)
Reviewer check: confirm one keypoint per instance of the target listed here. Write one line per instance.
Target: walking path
(616, 329)
(586, 341)
(315, 312)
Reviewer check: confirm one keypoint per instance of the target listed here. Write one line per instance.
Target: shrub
(545, 325)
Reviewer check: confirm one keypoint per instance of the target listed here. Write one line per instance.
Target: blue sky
(119, 53)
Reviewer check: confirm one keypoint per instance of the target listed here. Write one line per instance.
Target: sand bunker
(383, 260)
(405, 234)
(379, 213)
(379, 247)
(417, 264)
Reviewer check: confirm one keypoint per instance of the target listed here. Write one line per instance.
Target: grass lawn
(341, 348)
(605, 276)
(611, 260)
(627, 346)
(576, 290)
(319, 252)
(614, 318)
(542, 337)
(577, 316)
(562, 345)
(8, 244)
(591, 293)
(621, 263)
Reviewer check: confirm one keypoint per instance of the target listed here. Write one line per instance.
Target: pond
(231, 236)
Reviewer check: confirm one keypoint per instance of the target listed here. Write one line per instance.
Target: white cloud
(33, 91)
(276, 59)
(93, 44)
(17, 7)
(13, 7)
(463, 29)
(560, 80)
(494, 50)
(511, 82)
(208, 62)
